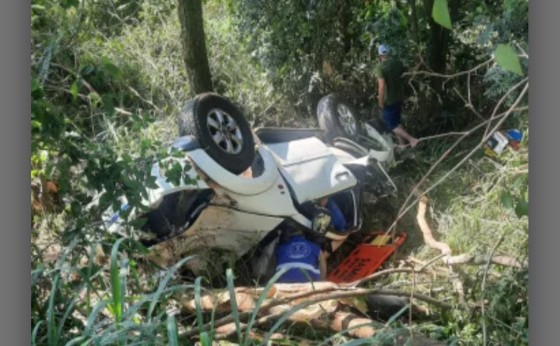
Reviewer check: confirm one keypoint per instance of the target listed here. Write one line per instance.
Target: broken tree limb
(344, 323)
(482, 260)
(446, 250)
(427, 232)
(434, 244)
(299, 308)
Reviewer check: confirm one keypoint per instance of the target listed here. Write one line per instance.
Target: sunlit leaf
(440, 13)
(74, 90)
(522, 208)
(508, 59)
(506, 199)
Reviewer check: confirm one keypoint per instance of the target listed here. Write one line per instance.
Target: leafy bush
(108, 80)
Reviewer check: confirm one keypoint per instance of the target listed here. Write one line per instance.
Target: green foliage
(108, 80)
(440, 12)
(95, 129)
(321, 39)
(507, 59)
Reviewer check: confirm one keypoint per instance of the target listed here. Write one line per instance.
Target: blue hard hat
(383, 49)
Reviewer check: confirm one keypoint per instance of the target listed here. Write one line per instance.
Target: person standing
(390, 96)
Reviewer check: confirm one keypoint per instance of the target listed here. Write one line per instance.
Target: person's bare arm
(323, 265)
(381, 92)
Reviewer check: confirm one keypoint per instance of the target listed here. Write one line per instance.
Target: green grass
(127, 300)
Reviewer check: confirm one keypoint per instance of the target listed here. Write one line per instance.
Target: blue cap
(383, 49)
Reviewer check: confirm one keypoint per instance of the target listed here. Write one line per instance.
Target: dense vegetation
(108, 79)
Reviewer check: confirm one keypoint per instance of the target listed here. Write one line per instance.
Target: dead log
(446, 250)
(323, 310)
(426, 231)
(483, 260)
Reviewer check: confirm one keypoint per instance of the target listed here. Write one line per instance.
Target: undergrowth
(108, 82)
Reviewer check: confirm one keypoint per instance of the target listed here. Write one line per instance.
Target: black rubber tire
(384, 307)
(328, 116)
(193, 120)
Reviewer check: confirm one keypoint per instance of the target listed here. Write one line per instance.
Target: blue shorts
(392, 115)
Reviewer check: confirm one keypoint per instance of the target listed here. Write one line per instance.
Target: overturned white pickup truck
(245, 184)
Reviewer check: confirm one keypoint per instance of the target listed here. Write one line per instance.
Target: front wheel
(221, 130)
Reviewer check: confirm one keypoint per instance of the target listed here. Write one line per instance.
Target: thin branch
(77, 75)
(512, 89)
(433, 260)
(448, 76)
(482, 260)
(447, 134)
(404, 209)
(469, 90)
(350, 285)
(468, 104)
(523, 52)
(137, 94)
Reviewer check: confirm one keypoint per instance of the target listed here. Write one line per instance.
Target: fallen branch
(482, 260)
(478, 260)
(446, 250)
(427, 232)
(300, 308)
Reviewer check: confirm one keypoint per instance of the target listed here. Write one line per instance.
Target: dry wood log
(446, 250)
(426, 231)
(322, 310)
(482, 260)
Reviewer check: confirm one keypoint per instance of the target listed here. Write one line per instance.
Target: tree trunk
(194, 45)
(439, 37)
(414, 21)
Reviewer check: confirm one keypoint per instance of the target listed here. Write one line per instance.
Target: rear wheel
(337, 118)
(221, 129)
(352, 148)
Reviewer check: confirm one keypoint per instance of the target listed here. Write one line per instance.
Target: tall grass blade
(149, 297)
(262, 297)
(34, 333)
(93, 316)
(116, 282)
(172, 334)
(198, 303)
(67, 249)
(52, 336)
(89, 276)
(79, 340)
(205, 339)
(163, 284)
(69, 310)
(359, 342)
(342, 332)
(233, 301)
